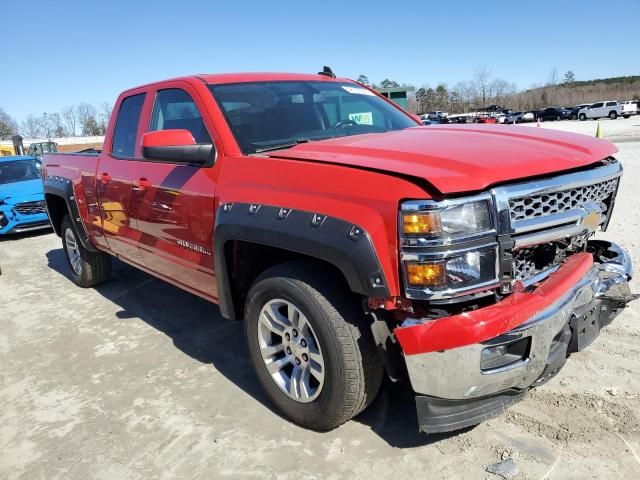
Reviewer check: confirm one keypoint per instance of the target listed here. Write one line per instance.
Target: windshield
(270, 115)
(19, 171)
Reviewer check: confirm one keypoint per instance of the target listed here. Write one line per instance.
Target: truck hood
(15, 192)
(459, 158)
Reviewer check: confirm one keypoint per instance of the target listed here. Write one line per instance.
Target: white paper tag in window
(358, 91)
(363, 118)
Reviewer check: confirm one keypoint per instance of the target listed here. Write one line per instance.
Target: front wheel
(87, 268)
(311, 346)
(582, 117)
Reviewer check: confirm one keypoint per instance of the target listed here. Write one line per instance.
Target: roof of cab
(220, 78)
(217, 78)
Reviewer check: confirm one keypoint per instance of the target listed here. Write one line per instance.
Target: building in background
(398, 95)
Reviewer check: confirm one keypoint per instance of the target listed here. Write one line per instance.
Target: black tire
(558, 118)
(626, 116)
(353, 368)
(613, 115)
(93, 267)
(582, 117)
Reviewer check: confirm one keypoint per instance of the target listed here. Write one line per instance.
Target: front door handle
(142, 185)
(105, 177)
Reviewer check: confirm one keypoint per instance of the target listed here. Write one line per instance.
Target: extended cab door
(173, 202)
(114, 176)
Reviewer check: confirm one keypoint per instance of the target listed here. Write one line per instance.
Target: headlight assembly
(459, 271)
(449, 248)
(448, 221)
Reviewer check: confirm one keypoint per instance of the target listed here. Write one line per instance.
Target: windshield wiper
(280, 146)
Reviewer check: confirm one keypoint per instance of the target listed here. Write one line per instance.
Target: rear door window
(126, 131)
(175, 109)
(611, 104)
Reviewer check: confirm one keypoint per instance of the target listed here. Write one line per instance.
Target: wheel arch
(249, 238)
(60, 200)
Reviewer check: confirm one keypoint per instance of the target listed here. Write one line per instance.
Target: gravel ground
(139, 380)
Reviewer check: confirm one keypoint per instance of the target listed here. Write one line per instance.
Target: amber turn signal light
(421, 223)
(425, 274)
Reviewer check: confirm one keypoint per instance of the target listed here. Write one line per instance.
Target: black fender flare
(63, 188)
(346, 246)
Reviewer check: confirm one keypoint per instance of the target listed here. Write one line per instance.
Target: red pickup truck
(352, 241)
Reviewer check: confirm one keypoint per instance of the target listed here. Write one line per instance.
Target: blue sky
(67, 52)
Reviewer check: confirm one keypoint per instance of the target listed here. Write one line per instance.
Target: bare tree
(8, 126)
(70, 121)
(45, 125)
(105, 115)
(553, 77)
(87, 118)
(31, 127)
(482, 81)
(55, 125)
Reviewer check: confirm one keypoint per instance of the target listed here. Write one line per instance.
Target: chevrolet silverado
(352, 241)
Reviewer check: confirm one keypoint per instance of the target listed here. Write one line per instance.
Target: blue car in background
(22, 206)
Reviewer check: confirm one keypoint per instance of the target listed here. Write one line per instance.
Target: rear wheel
(558, 118)
(311, 345)
(613, 115)
(87, 268)
(626, 116)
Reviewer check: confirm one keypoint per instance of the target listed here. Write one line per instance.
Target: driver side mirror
(176, 146)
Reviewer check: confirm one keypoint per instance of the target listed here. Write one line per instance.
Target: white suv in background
(629, 108)
(609, 108)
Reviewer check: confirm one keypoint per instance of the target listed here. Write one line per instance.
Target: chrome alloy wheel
(72, 251)
(290, 350)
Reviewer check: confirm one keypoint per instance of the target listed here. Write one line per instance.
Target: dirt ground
(139, 380)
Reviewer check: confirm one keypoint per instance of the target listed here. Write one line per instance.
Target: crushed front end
(504, 286)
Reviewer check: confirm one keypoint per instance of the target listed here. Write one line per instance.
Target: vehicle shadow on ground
(198, 330)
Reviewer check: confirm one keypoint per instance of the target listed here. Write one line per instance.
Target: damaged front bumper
(469, 367)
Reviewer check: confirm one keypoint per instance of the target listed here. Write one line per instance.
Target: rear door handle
(142, 184)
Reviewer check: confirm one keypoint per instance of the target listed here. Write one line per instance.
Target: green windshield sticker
(364, 118)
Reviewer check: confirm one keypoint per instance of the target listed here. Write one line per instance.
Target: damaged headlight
(458, 271)
(449, 248)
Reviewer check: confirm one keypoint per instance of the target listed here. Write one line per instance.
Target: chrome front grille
(539, 205)
(548, 220)
(30, 208)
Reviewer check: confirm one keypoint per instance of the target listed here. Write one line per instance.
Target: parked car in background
(575, 110)
(40, 148)
(485, 118)
(520, 117)
(22, 206)
(437, 115)
(629, 108)
(609, 108)
(501, 118)
(554, 113)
